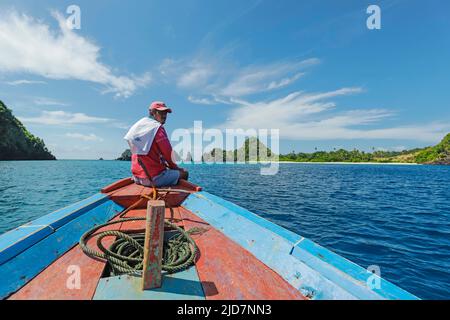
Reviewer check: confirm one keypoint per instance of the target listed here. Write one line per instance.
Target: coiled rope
(126, 254)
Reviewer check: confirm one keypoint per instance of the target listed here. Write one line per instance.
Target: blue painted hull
(313, 270)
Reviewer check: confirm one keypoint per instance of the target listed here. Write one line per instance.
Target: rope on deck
(125, 255)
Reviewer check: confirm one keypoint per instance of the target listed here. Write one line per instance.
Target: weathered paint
(23, 267)
(305, 265)
(62, 216)
(174, 198)
(266, 245)
(153, 245)
(346, 273)
(229, 272)
(188, 185)
(279, 249)
(183, 285)
(128, 194)
(117, 185)
(51, 283)
(139, 226)
(266, 224)
(17, 240)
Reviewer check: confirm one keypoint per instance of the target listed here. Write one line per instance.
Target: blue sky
(309, 68)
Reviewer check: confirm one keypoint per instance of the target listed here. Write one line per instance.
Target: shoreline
(311, 162)
(248, 162)
(376, 163)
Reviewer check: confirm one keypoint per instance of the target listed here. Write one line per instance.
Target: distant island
(16, 142)
(126, 156)
(249, 144)
(438, 154)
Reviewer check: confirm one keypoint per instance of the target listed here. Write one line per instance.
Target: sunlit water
(396, 217)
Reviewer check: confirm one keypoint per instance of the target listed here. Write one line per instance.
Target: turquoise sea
(396, 217)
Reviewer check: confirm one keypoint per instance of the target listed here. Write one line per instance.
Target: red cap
(159, 105)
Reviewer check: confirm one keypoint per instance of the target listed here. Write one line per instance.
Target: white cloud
(62, 118)
(197, 76)
(256, 79)
(31, 46)
(204, 101)
(301, 116)
(284, 82)
(84, 137)
(121, 125)
(283, 111)
(221, 81)
(209, 101)
(41, 101)
(24, 81)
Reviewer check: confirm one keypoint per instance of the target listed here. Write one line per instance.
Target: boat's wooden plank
(346, 273)
(50, 284)
(16, 241)
(153, 245)
(188, 185)
(127, 195)
(117, 185)
(324, 274)
(270, 243)
(183, 285)
(228, 271)
(139, 226)
(174, 199)
(62, 216)
(128, 190)
(19, 270)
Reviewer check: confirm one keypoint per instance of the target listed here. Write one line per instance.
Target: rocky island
(16, 142)
(126, 156)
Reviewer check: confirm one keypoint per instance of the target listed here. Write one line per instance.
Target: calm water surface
(396, 217)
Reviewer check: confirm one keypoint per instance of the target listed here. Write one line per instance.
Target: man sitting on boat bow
(151, 160)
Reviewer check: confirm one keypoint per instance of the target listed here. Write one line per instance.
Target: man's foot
(184, 174)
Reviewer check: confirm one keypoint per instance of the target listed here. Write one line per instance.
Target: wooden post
(153, 246)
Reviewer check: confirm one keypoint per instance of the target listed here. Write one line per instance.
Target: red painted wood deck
(228, 271)
(50, 284)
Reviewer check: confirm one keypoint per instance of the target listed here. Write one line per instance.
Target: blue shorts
(168, 177)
